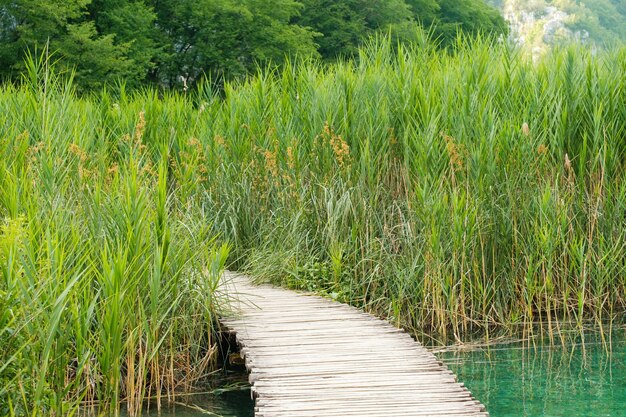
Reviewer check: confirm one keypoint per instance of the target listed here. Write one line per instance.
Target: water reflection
(228, 404)
(582, 378)
(229, 397)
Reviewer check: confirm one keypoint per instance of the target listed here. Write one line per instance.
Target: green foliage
(346, 24)
(604, 20)
(469, 17)
(33, 24)
(132, 24)
(341, 25)
(228, 37)
(178, 43)
(109, 268)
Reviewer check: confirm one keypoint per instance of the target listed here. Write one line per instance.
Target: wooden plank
(309, 356)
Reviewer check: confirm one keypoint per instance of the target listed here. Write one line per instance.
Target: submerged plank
(309, 356)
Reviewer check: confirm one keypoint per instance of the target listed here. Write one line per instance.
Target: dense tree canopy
(468, 16)
(176, 42)
(217, 36)
(344, 24)
(27, 24)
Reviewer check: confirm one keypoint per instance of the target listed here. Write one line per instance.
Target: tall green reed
(482, 192)
(110, 267)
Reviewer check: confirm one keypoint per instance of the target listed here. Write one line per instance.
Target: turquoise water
(580, 379)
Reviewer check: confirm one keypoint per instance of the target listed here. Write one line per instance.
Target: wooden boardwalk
(309, 356)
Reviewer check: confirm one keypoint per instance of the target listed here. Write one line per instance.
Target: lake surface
(230, 398)
(580, 379)
(228, 404)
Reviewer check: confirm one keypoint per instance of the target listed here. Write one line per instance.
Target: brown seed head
(542, 149)
(141, 126)
(568, 164)
(76, 150)
(290, 158)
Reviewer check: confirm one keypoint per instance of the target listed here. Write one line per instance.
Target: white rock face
(536, 25)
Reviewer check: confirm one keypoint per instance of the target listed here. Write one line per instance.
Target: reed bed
(458, 194)
(109, 264)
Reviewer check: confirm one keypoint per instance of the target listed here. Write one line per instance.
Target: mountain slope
(538, 24)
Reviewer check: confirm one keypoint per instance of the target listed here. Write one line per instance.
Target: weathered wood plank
(309, 356)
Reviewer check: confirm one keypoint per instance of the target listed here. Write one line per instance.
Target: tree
(65, 26)
(340, 25)
(133, 24)
(424, 11)
(174, 43)
(228, 37)
(344, 24)
(469, 16)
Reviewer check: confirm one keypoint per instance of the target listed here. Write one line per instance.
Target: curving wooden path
(309, 356)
